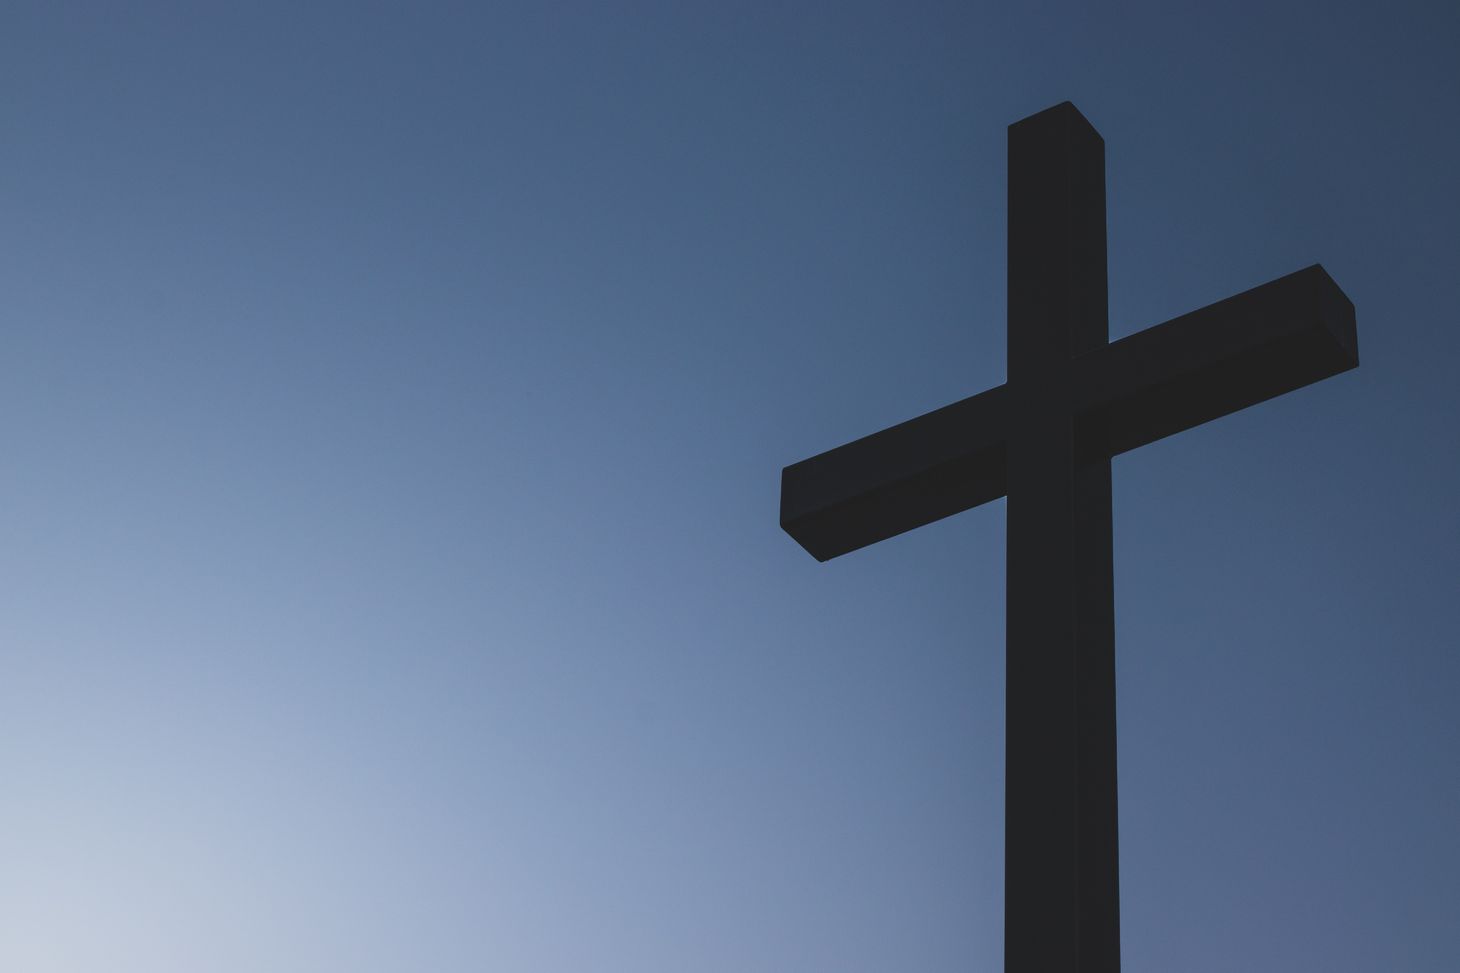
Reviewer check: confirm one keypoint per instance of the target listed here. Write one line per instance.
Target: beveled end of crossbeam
(903, 477)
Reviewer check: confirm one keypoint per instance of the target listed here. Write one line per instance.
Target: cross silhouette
(1045, 439)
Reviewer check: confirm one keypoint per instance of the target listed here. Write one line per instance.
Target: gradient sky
(393, 400)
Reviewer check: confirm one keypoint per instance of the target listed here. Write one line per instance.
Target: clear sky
(392, 406)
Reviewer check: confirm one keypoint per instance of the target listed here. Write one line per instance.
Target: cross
(1045, 439)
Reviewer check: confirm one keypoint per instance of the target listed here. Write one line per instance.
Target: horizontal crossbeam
(1286, 334)
(911, 474)
(1272, 339)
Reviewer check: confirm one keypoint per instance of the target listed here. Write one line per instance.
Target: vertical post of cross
(1061, 873)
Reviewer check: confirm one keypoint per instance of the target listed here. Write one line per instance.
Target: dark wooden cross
(1045, 439)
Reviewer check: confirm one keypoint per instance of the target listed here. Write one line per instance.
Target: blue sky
(393, 399)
